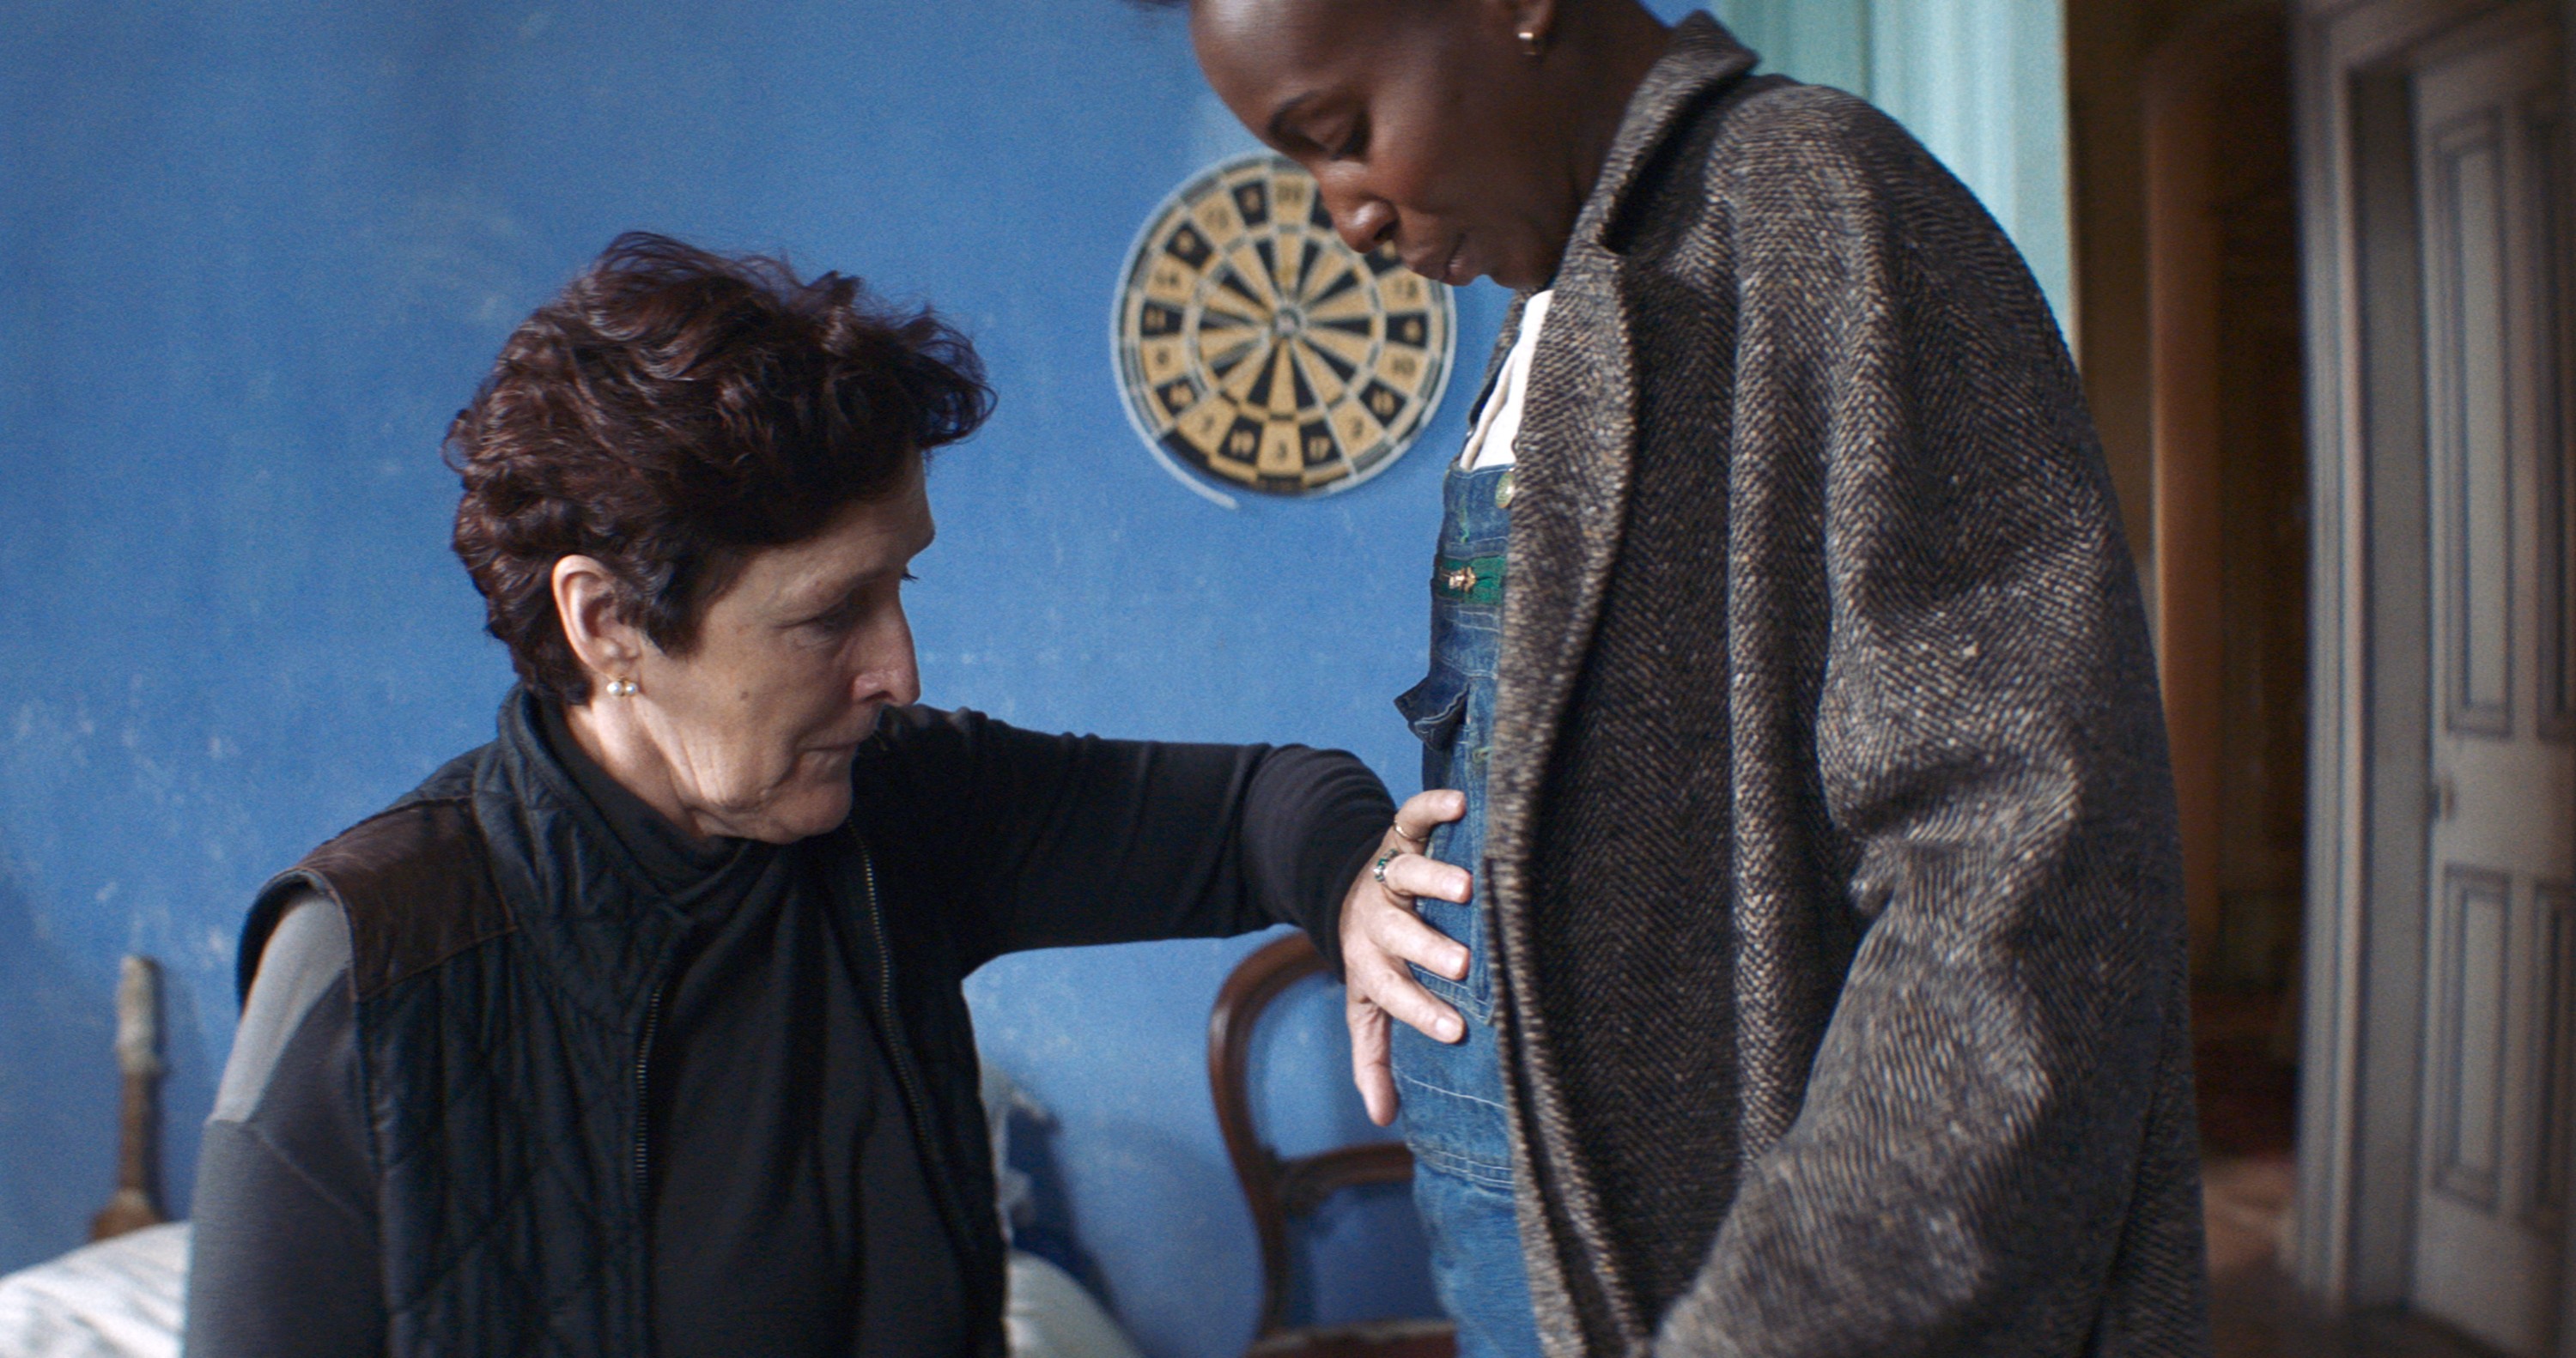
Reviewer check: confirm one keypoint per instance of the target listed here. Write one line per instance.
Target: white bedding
(119, 1298)
(1051, 1316)
(123, 1298)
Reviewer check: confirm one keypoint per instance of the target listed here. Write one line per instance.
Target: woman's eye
(838, 619)
(1354, 143)
(850, 612)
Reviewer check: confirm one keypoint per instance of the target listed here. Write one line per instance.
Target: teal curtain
(1981, 82)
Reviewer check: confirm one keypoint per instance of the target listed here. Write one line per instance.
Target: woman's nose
(1365, 222)
(891, 673)
(902, 677)
(903, 683)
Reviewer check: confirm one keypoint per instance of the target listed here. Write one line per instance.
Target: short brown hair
(671, 411)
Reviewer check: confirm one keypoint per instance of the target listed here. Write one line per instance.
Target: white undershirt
(1490, 445)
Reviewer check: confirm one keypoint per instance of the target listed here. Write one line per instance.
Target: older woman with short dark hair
(638, 1030)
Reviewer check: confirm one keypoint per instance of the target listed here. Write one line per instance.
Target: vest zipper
(644, 1103)
(918, 1104)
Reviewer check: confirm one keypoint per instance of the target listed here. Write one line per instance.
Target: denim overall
(1453, 1094)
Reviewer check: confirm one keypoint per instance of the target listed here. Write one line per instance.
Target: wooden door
(2502, 858)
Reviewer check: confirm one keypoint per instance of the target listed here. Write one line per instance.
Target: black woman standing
(1824, 967)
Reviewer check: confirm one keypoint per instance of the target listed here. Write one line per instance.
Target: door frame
(2567, 222)
(2369, 739)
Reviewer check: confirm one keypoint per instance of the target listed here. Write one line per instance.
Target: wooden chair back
(1280, 1188)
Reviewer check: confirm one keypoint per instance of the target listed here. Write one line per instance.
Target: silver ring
(1378, 869)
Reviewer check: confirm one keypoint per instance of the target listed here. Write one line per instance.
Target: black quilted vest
(505, 982)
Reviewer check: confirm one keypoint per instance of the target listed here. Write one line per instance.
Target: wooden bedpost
(137, 1200)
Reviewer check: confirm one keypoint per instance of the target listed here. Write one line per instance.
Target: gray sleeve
(284, 1261)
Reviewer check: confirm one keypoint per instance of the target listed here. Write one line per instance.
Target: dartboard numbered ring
(1258, 352)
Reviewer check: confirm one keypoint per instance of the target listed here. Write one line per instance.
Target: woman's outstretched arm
(1058, 840)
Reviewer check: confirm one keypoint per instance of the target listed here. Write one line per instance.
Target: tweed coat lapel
(1578, 443)
(1576, 458)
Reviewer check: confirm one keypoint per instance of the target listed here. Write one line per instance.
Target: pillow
(1051, 1316)
(119, 1298)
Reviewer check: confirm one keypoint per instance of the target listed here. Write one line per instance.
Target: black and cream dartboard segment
(1259, 351)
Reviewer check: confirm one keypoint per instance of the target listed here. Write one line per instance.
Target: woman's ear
(606, 644)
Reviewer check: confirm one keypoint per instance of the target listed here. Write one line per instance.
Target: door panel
(2469, 1073)
(2503, 839)
(2469, 212)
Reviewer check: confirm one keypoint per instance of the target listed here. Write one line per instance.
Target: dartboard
(1260, 352)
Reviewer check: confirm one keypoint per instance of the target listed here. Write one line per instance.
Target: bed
(124, 1294)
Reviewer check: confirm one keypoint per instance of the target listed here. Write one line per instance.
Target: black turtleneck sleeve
(1059, 840)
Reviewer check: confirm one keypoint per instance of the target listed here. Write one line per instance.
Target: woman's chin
(812, 798)
(810, 807)
(809, 812)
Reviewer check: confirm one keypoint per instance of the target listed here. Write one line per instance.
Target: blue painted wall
(254, 254)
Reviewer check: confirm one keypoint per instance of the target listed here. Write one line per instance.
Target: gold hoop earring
(1533, 43)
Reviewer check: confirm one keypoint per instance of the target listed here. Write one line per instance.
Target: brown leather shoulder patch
(416, 883)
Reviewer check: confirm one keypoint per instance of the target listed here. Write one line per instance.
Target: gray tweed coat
(1832, 848)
